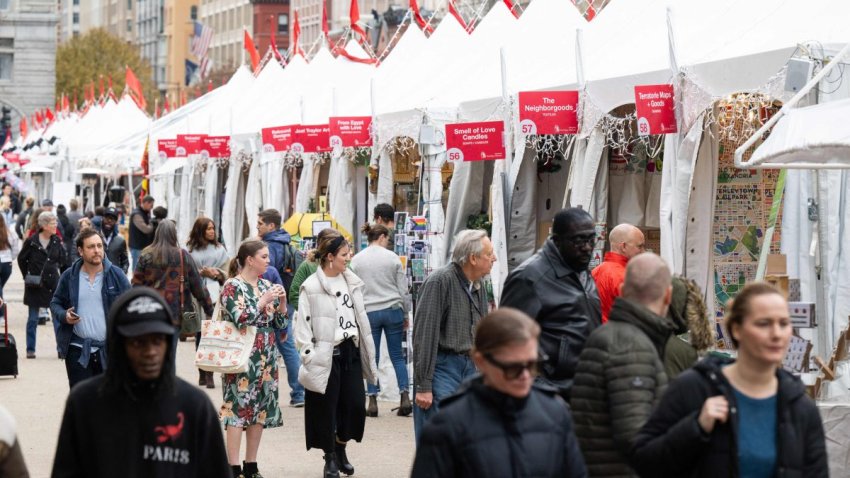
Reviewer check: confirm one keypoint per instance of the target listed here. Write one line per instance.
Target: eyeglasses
(581, 240)
(513, 370)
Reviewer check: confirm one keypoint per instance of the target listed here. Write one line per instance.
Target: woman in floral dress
(251, 398)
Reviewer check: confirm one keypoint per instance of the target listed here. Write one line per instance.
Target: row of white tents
(708, 50)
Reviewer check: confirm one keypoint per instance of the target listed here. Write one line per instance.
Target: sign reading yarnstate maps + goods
(216, 147)
(278, 138)
(350, 131)
(311, 138)
(167, 148)
(655, 109)
(483, 141)
(189, 144)
(548, 112)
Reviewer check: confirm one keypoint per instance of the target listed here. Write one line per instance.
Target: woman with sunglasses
(501, 423)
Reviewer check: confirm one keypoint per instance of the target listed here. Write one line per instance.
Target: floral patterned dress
(251, 397)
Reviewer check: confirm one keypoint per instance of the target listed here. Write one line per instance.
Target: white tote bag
(224, 347)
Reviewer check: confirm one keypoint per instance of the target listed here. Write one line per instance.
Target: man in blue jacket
(81, 304)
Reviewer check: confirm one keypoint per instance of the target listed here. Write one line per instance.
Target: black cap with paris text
(141, 311)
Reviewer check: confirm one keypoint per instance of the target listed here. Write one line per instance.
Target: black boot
(372, 409)
(342, 460)
(331, 470)
(210, 380)
(237, 471)
(249, 469)
(202, 378)
(405, 408)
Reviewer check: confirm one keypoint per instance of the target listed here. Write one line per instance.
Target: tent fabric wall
(232, 224)
(211, 193)
(253, 197)
(433, 188)
(309, 170)
(587, 158)
(187, 207)
(342, 193)
(522, 236)
(465, 198)
(498, 235)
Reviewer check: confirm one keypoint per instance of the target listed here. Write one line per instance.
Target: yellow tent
(302, 225)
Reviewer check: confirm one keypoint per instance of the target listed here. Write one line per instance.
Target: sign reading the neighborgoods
(167, 148)
(189, 144)
(350, 131)
(655, 112)
(548, 112)
(483, 141)
(311, 138)
(278, 138)
(216, 147)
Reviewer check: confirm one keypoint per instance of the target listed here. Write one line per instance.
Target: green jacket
(619, 379)
(305, 270)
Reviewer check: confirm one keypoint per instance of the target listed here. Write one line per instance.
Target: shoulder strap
(182, 278)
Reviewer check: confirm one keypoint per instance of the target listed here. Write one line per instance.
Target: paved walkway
(37, 399)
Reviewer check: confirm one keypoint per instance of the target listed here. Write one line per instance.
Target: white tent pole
(244, 29)
(671, 40)
(506, 100)
(739, 153)
(579, 60)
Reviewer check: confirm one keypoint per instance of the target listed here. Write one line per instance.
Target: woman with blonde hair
(334, 338)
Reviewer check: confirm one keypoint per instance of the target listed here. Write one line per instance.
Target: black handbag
(190, 322)
(35, 280)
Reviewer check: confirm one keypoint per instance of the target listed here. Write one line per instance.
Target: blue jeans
(292, 361)
(32, 328)
(449, 371)
(76, 372)
(134, 254)
(391, 321)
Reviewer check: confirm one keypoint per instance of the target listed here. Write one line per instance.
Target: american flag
(201, 40)
(206, 66)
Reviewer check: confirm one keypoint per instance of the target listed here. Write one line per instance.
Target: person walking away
(694, 332)
(620, 374)
(12, 464)
(116, 247)
(14, 202)
(251, 398)
(138, 419)
(97, 220)
(6, 209)
(746, 417)
(386, 286)
(10, 247)
(626, 242)
(74, 216)
(554, 288)
(66, 230)
(171, 271)
(211, 259)
(500, 422)
(81, 304)
(21, 222)
(384, 215)
(451, 302)
(333, 335)
(42, 255)
(282, 258)
(141, 230)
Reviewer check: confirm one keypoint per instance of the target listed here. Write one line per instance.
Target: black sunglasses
(513, 370)
(581, 240)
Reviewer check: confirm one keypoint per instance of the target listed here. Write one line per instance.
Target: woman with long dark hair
(41, 259)
(10, 246)
(251, 397)
(169, 269)
(211, 258)
(334, 338)
(746, 417)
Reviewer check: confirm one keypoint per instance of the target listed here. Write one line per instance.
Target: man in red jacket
(626, 242)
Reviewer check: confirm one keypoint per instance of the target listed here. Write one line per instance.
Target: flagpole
(244, 29)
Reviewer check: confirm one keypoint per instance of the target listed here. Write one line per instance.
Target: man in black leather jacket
(555, 288)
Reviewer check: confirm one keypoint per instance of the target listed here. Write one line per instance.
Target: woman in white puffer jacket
(334, 339)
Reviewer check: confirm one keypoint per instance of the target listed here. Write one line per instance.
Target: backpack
(292, 259)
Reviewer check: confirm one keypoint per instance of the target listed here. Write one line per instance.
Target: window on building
(129, 26)
(4, 4)
(6, 60)
(76, 2)
(283, 24)
(193, 12)
(76, 18)
(129, 4)
(7, 43)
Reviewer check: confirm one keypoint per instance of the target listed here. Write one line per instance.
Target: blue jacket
(67, 295)
(277, 241)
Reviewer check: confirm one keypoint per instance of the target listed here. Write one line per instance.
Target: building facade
(69, 20)
(119, 18)
(268, 15)
(150, 38)
(227, 19)
(179, 16)
(28, 30)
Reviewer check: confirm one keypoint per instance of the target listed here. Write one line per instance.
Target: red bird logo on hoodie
(169, 432)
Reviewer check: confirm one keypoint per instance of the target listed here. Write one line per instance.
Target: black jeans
(76, 372)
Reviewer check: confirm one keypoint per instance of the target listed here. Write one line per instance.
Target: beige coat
(315, 323)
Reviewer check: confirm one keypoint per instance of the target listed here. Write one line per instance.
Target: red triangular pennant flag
(325, 19)
(590, 14)
(252, 51)
(296, 36)
(272, 31)
(414, 7)
(135, 86)
(24, 128)
(511, 7)
(355, 17)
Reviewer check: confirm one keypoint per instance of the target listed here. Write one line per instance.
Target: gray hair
(46, 217)
(468, 243)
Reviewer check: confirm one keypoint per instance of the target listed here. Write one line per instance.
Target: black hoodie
(116, 425)
(673, 444)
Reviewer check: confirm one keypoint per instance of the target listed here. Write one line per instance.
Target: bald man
(626, 242)
(620, 375)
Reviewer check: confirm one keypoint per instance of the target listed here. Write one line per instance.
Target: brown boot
(202, 378)
(404, 407)
(210, 380)
(372, 409)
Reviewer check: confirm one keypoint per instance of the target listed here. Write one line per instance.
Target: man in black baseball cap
(138, 419)
(115, 245)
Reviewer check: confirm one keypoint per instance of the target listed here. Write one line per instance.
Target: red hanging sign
(483, 141)
(548, 112)
(189, 144)
(215, 146)
(311, 138)
(350, 131)
(12, 157)
(167, 148)
(655, 109)
(278, 138)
